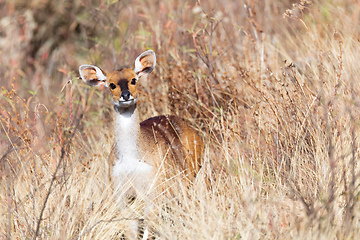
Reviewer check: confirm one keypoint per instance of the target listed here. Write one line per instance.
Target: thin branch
(62, 156)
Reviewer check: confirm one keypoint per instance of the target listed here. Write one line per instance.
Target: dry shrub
(272, 86)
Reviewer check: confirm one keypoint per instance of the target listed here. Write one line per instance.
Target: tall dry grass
(272, 87)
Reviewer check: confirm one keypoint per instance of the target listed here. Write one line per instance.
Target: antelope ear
(145, 63)
(92, 75)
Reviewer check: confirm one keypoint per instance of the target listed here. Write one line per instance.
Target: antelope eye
(112, 86)
(133, 81)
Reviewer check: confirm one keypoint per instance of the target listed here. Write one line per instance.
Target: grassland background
(272, 87)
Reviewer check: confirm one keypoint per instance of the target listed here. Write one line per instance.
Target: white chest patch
(129, 171)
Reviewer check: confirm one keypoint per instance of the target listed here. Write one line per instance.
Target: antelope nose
(126, 95)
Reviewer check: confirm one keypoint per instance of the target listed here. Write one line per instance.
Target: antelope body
(165, 144)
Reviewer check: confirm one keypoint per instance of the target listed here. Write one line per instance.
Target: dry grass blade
(272, 86)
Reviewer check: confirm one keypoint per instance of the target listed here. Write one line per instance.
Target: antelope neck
(127, 127)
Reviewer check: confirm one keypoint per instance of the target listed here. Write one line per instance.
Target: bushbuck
(159, 146)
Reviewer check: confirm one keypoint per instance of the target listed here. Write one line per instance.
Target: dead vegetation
(272, 86)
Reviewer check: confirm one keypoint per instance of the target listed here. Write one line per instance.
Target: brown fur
(171, 138)
(116, 76)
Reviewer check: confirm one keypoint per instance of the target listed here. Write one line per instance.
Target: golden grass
(272, 88)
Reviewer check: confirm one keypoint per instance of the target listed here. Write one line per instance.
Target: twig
(8, 194)
(64, 147)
